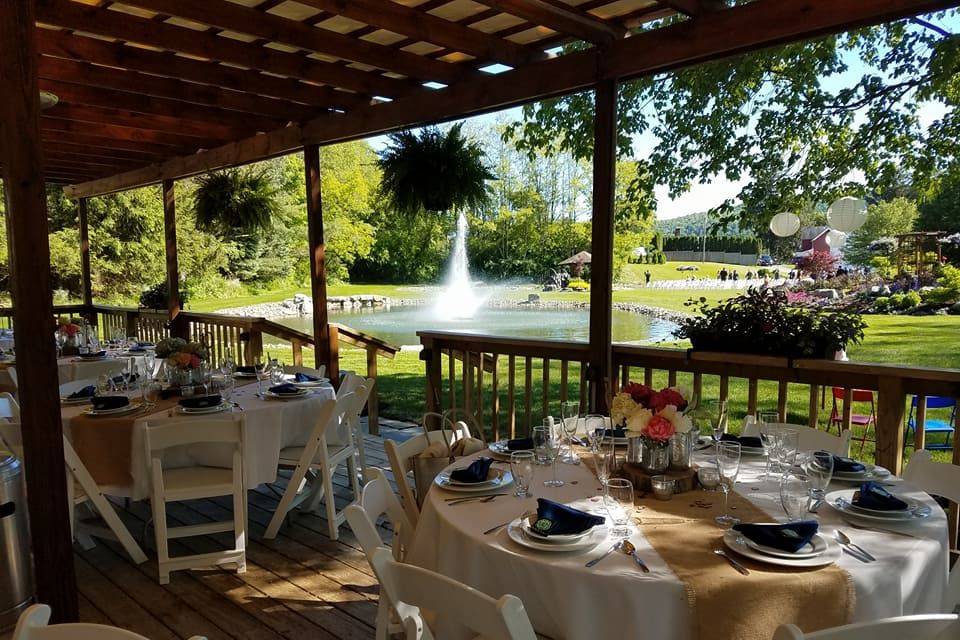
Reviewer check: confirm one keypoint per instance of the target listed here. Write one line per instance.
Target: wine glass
(227, 364)
(149, 363)
(728, 466)
(545, 439)
(719, 421)
(595, 425)
(794, 495)
(226, 388)
(789, 445)
(523, 467)
(569, 418)
(819, 469)
(768, 434)
(618, 500)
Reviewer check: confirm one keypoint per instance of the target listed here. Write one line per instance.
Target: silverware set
(481, 498)
(852, 548)
(733, 563)
(626, 548)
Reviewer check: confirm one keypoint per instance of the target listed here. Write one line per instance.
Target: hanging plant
(434, 171)
(227, 202)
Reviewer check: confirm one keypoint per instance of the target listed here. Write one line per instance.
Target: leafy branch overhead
(232, 201)
(433, 172)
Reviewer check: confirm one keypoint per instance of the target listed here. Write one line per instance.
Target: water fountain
(458, 299)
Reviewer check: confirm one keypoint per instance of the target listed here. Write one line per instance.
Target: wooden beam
(153, 122)
(565, 20)
(601, 245)
(80, 151)
(248, 90)
(51, 540)
(691, 42)
(86, 283)
(273, 28)
(123, 26)
(55, 135)
(318, 265)
(690, 8)
(168, 195)
(130, 134)
(418, 25)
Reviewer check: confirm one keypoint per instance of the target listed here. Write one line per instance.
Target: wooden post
(178, 327)
(920, 424)
(85, 282)
(29, 254)
(373, 406)
(601, 264)
(890, 414)
(323, 354)
(333, 347)
(297, 347)
(432, 357)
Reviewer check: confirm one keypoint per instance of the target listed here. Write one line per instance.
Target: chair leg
(240, 526)
(160, 535)
(284, 505)
(383, 619)
(354, 477)
(332, 526)
(116, 525)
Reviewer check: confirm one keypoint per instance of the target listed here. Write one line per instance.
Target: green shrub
(882, 304)
(579, 285)
(910, 300)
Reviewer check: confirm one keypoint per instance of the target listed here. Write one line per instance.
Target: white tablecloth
(70, 368)
(269, 426)
(566, 600)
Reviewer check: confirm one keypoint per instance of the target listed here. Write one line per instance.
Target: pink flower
(661, 399)
(659, 429)
(639, 392)
(194, 361)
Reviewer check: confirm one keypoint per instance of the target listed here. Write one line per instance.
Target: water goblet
(728, 468)
(618, 500)
(709, 478)
(595, 425)
(227, 387)
(768, 432)
(104, 385)
(794, 495)
(523, 468)
(546, 438)
(819, 468)
(789, 442)
(540, 436)
(569, 418)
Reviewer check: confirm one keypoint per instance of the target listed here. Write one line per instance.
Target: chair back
(378, 500)
(453, 603)
(856, 395)
(399, 454)
(164, 435)
(292, 369)
(926, 627)
(936, 402)
(72, 387)
(350, 382)
(811, 439)
(9, 407)
(34, 625)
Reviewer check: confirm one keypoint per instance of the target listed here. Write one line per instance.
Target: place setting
(558, 528)
(797, 545)
(873, 503)
(480, 476)
(848, 470)
(114, 405)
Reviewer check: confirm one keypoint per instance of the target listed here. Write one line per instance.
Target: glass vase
(681, 449)
(654, 456)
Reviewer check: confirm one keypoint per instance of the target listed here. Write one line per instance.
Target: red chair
(865, 421)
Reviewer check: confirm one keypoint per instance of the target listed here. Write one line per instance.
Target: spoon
(843, 539)
(733, 563)
(627, 548)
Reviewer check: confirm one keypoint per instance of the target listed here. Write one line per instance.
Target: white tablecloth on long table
(71, 368)
(566, 601)
(269, 426)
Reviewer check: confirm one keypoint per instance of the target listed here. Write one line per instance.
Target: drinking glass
(540, 436)
(819, 473)
(523, 467)
(709, 478)
(606, 461)
(227, 365)
(570, 418)
(545, 439)
(595, 424)
(728, 466)
(154, 389)
(226, 388)
(149, 363)
(104, 385)
(277, 374)
(618, 500)
(719, 420)
(768, 434)
(794, 495)
(789, 444)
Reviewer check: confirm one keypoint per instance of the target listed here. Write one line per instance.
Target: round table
(566, 600)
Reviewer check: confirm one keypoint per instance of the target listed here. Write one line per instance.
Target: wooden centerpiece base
(685, 480)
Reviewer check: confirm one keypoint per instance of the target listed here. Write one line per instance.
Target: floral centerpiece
(69, 338)
(655, 418)
(181, 358)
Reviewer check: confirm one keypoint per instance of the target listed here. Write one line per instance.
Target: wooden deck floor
(300, 585)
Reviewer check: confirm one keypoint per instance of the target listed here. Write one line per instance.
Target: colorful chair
(935, 425)
(863, 420)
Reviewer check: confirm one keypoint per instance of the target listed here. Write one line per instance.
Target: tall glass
(227, 364)
(523, 467)
(819, 469)
(547, 444)
(595, 425)
(618, 500)
(719, 421)
(226, 388)
(767, 427)
(569, 419)
(789, 445)
(728, 466)
(794, 495)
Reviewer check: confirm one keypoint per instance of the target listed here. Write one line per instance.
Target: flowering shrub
(181, 354)
(651, 415)
(819, 264)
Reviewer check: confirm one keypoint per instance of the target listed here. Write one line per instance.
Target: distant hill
(691, 224)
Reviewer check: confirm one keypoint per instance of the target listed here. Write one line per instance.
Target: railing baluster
(813, 419)
(919, 425)
(648, 376)
(452, 377)
(624, 375)
(546, 387)
(847, 408)
(373, 405)
(672, 378)
(752, 397)
(564, 375)
(724, 388)
(467, 387)
(889, 427)
(528, 393)
(782, 401)
(495, 397)
(698, 385)
(480, 391)
(511, 394)
(583, 387)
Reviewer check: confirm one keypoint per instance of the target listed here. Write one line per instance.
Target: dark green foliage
(433, 172)
(156, 297)
(729, 244)
(235, 200)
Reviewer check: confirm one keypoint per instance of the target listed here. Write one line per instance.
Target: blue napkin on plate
(87, 392)
(789, 537)
(201, 402)
(305, 377)
(520, 444)
(249, 368)
(476, 472)
(745, 441)
(841, 464)
(145, 344)
(285, 389)
(110, 402)
(555, 519)
(618, 432)
(96, 354)
(873, 496)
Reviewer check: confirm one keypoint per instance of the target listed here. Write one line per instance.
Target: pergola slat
(56, 134)
(113, 132)
(565, 20)
(208, 130)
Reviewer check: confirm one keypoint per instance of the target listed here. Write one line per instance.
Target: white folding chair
(314, 464)
(929, 627)
(190, 483)
(9, 407)
(942, 479)
(378, 500)
(34, 625)
(451, 603)
(349, 382)
(82, 489)
(72, 387)
(356, 428)
(810, 439)
(12, 372)
(293, 369)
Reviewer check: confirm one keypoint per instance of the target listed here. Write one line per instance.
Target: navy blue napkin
(841, 464)
(745, 441)
(145, 344)
(305, 377)
(520, 444)
(476, 472)
(873, 496)
(249, 368)
(87, 392)
(285, 389)
(201, 402)
(618, 432)
(555, 519)
(789, 537)
(110, 402)
(97, 354)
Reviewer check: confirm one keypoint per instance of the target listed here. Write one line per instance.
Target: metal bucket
(681, 449)
(16, 584)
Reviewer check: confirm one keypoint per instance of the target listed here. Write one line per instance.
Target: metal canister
(16, 584)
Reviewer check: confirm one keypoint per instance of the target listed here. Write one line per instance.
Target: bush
(882, 304)
(578, 285)
(903, 301)
(156, 297)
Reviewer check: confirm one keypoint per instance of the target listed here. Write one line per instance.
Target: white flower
(622, 408)
(638, 422)
(680, 422)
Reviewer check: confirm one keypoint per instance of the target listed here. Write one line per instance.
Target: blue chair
(935, 425)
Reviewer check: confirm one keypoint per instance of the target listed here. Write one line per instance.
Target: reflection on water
(399, 325)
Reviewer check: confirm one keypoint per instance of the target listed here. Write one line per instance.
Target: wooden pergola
(152, 91)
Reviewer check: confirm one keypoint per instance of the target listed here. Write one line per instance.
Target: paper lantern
(847, 214)
(784, 224)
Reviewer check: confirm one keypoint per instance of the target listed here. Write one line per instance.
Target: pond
(399, 325)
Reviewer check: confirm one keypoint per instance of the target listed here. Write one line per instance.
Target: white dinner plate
(500, 449)
(67, 402)
(494, 478)
(312, 384)
(119, 411)
(302, 393)
(596, 535)
(570, 538)
(871, 472)
(735, 542)
(200, 411)
(504, 479)
(244, 374)
(842, 501)
(97, 359)
(816, 547)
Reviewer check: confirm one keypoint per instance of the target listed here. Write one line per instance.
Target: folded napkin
(873, 496)
(745, 441)
(201, 402)
(786, 537)
(110, 402)
(137, 349)
(87, 392)
(476, 472)
(618, 432)
(249, 368)
(145, 344)
(125, 377)
(285, 389)
(95, 354)
(520, 444)
(555, 519)
(305, 377)
(841, 464)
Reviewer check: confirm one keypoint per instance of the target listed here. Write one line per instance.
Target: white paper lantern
(835, 238)
(847, 214)
(785, 224)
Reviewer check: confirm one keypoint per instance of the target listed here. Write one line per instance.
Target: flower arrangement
(180, 354)
(651, 415)
(68, 327)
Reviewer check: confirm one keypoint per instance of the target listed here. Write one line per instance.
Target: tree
(884, 220)
(819, 264)
(940, 210)
(789, 120)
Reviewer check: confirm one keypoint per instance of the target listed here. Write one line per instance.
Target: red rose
(659, 429)
(665, 397)
(639, 392)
